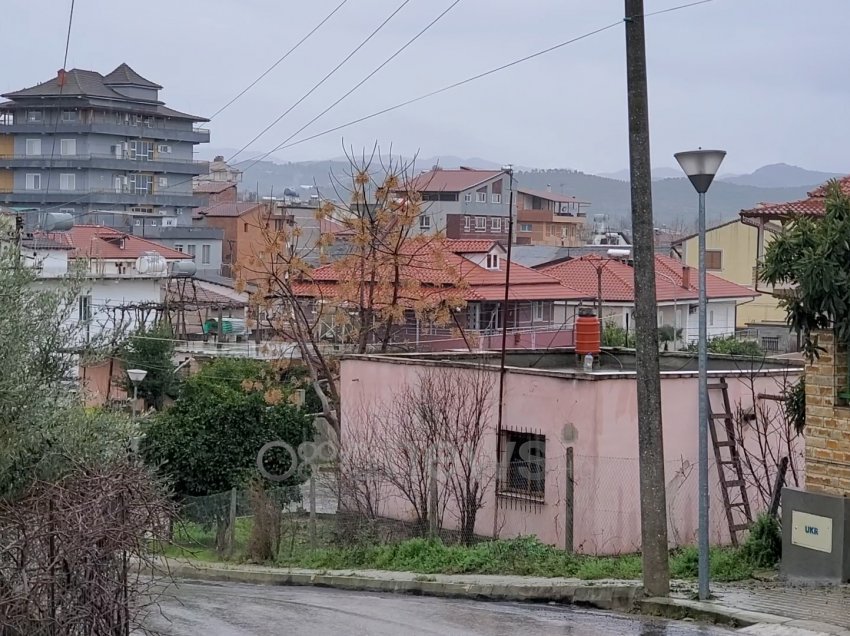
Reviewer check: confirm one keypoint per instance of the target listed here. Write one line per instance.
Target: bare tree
(764, 435)
(386, 272)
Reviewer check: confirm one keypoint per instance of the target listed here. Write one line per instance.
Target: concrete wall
(598, 420)
(827, 420)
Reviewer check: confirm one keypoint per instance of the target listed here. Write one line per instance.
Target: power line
(279, 60)
(324, 79)
(61, 88)
(426, 95)
(480, 76)
(360, 83)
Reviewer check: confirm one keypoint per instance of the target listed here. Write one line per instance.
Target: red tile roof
(618, 280)
(228, 209)
(470, 246)
(815, 205)
(551, 196)
(440, 180)
(212, 187)
(96, 241)
(434, 271)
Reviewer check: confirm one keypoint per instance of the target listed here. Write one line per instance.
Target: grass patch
(522, 556)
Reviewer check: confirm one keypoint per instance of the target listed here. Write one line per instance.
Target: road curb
(602, 596)
(712, 612)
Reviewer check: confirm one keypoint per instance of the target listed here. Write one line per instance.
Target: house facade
(465, 203)
(470, 276)
(203, 245)
(104, 148)
(611, 281)
(547, 218)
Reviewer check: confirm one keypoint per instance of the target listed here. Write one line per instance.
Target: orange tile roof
(470, 246)
(618, 280)
(97, 241)
(437, 271)
(815, 205)
(212, 187)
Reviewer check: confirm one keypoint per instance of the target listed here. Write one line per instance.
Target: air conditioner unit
(163, 148)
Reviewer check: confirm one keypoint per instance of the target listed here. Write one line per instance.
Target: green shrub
(763, 547)
(795, 406)
(730, 345)
(613, 335)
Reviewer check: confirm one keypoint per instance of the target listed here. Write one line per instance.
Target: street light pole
(701, 166)
(136, 376)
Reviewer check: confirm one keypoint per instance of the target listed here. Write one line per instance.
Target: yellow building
(731, 252)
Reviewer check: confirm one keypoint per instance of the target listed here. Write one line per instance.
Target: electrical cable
(431, 93)
(324, 79)
(279, 60)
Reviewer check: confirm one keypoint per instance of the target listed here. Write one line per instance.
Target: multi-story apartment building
(547, 218)
(464, 203)
(101, 147)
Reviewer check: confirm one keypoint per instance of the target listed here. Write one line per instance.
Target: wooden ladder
(721, 424)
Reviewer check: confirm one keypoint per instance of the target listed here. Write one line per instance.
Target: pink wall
(598, 419)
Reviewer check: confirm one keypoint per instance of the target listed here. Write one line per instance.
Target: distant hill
(657, 174)
(674, 200)
(781, 175)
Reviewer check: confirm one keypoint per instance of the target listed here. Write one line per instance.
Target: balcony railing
(92, 155)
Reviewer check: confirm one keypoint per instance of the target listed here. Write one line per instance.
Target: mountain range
(674, 200)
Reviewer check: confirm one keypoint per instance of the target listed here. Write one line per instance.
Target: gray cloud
(765, 79)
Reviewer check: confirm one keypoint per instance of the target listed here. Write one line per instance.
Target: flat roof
(612, 364)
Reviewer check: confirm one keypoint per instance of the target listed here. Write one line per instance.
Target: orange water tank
(587, 333)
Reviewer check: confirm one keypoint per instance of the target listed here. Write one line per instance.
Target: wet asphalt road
(243, 610)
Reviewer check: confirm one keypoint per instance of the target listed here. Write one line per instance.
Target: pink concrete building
(585, 426)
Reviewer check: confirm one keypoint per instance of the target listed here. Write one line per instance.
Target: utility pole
(653, 499)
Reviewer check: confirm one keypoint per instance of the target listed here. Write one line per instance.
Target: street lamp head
(509, 168)
(136, 375)
(700, 166)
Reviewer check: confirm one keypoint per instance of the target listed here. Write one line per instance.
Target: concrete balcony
(37, 198)
(161, 164)
(195, 135)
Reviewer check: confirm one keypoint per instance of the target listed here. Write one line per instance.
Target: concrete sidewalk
(764, 608)
(773, 608)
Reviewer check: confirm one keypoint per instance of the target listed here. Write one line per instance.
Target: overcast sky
(764, 79)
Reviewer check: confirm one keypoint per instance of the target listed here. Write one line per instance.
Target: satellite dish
(58, 222)
(151, 264)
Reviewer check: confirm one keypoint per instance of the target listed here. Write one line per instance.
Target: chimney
(60, 77)
(686, 276)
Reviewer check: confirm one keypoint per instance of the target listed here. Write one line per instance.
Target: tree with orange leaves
(387, 272)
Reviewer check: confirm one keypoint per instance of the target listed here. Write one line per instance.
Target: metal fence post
(570, 497)
(231, 529)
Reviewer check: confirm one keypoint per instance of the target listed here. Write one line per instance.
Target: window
(245, 227)
(424, 222)
(711, 318)
(67, 181)
(163, 148)
(68, 147)
(84, 310)
(770, 343)
(66, 210)
(34, 116)
(205, 254)
(33, 182)
(278, 225)
(141, 150)
(496, 223)
(468, 197)
(162, 182)
(480, 223)
(495, 198)
(190, 249)
(467, 222)
(492, 261)
(481, 196)
(33, 147)
(69, 115)
(537, 311)
(525, 227)
(141, 210)
(523, 464)
(178, 247)
(714, 259)
(439, 196)
(140, 183)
